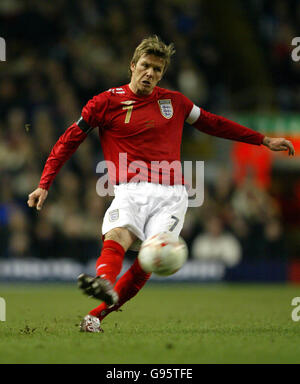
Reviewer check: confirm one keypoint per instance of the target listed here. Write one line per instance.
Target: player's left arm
(279, 144)
(219, 126)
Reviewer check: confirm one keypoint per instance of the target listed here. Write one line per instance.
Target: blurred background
(232, 58)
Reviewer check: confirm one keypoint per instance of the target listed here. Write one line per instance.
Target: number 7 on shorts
(176, 221)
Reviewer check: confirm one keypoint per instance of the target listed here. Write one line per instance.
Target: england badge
(166, 108)
(114, 215)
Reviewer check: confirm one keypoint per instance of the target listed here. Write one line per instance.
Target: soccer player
(143, 123)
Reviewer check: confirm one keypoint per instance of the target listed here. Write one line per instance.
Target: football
(163, 254)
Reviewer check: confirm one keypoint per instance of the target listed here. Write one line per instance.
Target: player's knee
(122, 236)
(115, 234)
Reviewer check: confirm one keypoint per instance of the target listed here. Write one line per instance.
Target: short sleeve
(94, 111)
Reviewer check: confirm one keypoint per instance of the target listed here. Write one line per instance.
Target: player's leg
(122, 224)
(116, 243)
(126, 287)
(128, 210)
(108, 266)
(168, 216)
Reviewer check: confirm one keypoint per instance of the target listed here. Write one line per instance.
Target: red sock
(110, 261)
(127, 287)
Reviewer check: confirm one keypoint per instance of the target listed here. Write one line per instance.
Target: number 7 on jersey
(128, 114)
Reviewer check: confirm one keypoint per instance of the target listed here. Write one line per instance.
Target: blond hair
(153, 45)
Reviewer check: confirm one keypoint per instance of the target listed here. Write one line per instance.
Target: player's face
(146, 73)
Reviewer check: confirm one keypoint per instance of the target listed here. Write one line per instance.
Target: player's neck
(134, 89)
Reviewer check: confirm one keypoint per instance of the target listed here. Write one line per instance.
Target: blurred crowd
(275, 25)
(235, 223)
(62, 53)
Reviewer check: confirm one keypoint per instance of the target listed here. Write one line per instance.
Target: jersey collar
(140, 97)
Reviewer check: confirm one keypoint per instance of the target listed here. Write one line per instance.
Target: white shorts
(146, 209)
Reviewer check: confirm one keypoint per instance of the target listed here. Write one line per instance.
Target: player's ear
(132, 66)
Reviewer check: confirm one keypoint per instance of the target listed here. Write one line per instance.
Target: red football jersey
(140, 135)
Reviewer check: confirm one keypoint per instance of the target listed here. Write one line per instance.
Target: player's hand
(279, 144)
(37, 198)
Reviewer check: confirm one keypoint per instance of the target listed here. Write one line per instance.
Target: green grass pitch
(164, 323)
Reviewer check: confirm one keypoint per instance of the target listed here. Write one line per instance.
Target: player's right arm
(37, 198)
(63, 149)
(69, 141)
